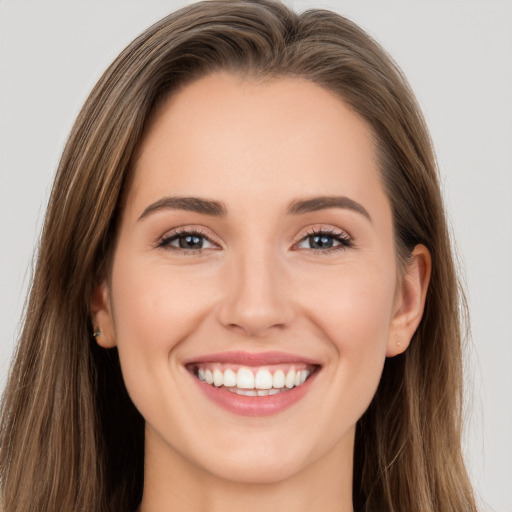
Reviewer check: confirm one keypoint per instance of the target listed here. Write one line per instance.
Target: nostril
(256, 301)
(253, 322)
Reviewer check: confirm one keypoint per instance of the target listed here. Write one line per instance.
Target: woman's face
(255, 249)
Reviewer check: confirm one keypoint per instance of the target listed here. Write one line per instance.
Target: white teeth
(218, 378)
(245, 378)
(290, 379)
(263, 380)
(263, 383)
(278, 380)
(254, 392)
(247, 392)
(229, 378)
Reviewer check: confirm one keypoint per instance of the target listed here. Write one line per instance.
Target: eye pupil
(191, 242)
(321, 242)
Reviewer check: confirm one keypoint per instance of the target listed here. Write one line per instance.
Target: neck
(172, 483)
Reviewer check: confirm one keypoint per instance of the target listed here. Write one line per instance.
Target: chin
(260, 470)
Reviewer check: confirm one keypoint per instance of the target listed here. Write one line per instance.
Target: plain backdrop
(458, 58)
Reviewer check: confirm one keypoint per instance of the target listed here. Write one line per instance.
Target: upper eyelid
(332, 231)
(345, 239)
(184, 230)
(305, 232)
(195, 229)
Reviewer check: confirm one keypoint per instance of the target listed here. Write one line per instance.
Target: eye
(187, 240)
(325, 240)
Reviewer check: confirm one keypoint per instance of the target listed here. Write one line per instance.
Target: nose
(256, 298)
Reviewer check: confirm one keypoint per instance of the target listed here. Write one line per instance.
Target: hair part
(63, 435)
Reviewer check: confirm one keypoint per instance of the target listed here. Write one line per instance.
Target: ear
(101, 316)
(410, 301)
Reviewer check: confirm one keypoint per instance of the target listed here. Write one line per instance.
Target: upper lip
(245, 358)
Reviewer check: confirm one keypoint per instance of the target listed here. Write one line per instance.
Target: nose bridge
(255, 298)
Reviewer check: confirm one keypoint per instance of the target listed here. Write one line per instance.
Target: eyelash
(345, 241)
(165, 242)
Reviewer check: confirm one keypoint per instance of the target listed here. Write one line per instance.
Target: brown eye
(190, 242)
(187, 241)
(325, 240)
(321, 242)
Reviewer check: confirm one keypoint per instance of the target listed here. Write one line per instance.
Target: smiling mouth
(260, 381)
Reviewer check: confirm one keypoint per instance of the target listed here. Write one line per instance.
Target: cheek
(353, 304)
(155, 308)
(155, 305)
(354, 310)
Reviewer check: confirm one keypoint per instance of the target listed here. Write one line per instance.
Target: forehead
(224, 135)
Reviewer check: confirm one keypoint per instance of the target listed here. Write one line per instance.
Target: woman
(245, 295)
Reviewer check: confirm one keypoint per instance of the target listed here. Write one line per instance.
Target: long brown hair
(71, 439)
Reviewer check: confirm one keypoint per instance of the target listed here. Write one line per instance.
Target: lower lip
(255, 405)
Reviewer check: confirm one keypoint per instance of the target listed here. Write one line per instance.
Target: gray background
(458, 58)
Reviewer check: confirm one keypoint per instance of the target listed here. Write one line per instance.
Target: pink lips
(253, 405)
(252, 359)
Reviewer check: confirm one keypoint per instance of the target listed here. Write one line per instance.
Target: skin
(257, 285)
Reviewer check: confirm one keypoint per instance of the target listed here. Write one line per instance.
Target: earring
(398, 342)
(97, 332)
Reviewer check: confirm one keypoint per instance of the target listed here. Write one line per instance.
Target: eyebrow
(218, 209)
(191, 204)
(301, 206)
